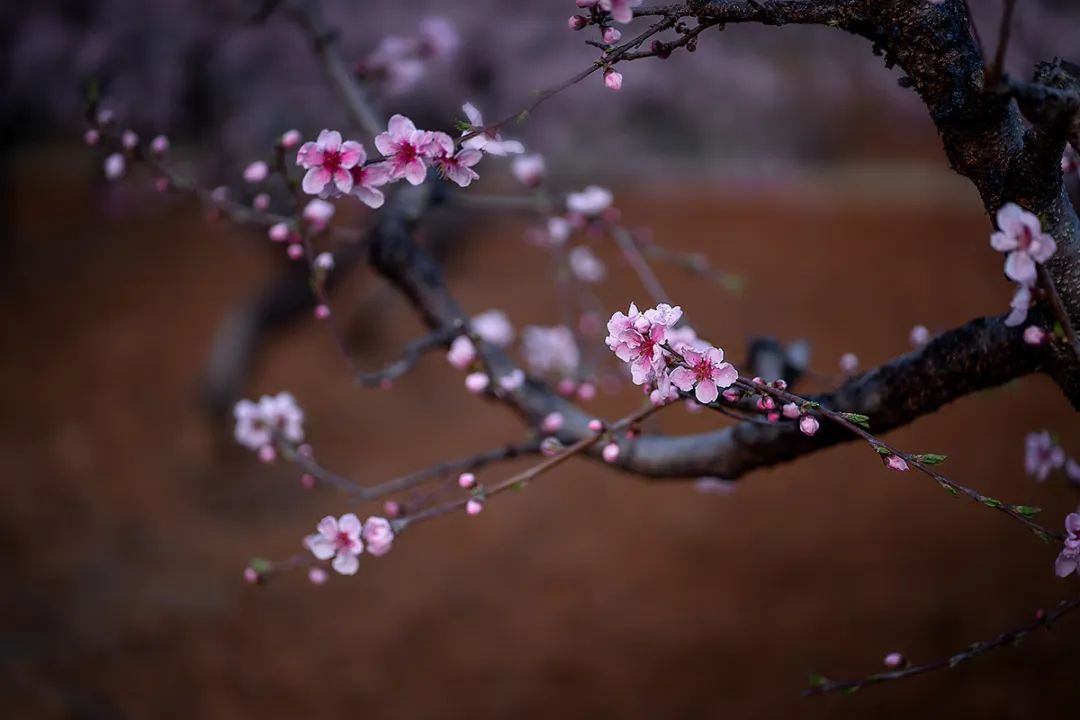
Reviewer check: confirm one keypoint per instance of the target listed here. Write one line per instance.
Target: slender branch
(820, 685)
(409, 357)
(993, 75)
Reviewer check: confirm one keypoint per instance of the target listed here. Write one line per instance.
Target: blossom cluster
(663, 357)
(398, 62)
(1020, 235)
(344, 539)
(1068, 560)
(260, 424)
(1043, 455)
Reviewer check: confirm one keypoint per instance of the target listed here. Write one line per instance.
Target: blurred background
(790, 156)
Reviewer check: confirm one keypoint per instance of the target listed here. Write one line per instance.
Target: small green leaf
(952, 491)
(815, 680)
(881, 450)
(1027, 510)
(860, 420)
(990, 502)
(259, 565)
(463, 126)
(811, 405)
(931, 458)
(1044, 536)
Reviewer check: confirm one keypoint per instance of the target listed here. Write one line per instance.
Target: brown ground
(126, 516)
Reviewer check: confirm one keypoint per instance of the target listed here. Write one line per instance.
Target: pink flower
(790, 411)
(129, 139)
(1068, 561)
(338, 539)
(328, 161)
(1020, 234)
(585, 265)
(611, 35)
(406, 149)
(529, 169)
(590, 202)
(462, 352)
(378, 535)
(458, 168)
(1020, 304)
(808, 424)
(707, 372)
(490, 141)
(920, 335)
(473, 507)
(257, 423)
(256, 172)
(115, 165)
(466, 480)
(1034, 335)
(366, 181)
(895, 462)
(159, 146)
(318, 213)
(494, 327)
(637, 338)
(552, 422)
(290, 139)
(610, 452)
(324, 261)
(1042, 455)
(550, 349)
(613, 79)
(477, 382)
(622, 11)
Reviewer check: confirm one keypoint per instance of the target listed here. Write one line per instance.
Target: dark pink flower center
(332, 160)
(1026, 238)
(343, 541)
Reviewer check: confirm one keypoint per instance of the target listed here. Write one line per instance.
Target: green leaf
(259, 565)
(952, 491)
(1027, 510)
(881, 450)
(990, 502)
(931, 458)
(860, 420)
(811, 405)
(1044, 536)
(815, 680)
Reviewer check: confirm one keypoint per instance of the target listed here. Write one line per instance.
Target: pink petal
(352, 154)
(682, 378)
(475, 119)
(1020, 267)
(1065, 566)
(415, 172)
(372, 198)
(1072, 523)
(343, 180)
(725, 375)
(329, 140)
(350, 525)
(346, 564)
(309, 155)
(320, 547)
(385, 144)
(315, 180)
(706, 392)
(400, 126)
(328, 528)
(1043, 248)
(1010, 218)
(1003, 242)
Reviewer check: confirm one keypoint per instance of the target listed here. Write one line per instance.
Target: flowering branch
(821, 685)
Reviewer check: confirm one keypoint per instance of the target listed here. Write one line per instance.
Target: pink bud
(849, 362)
(129, 139)
(550, 446)
(261, 202)
(895, 660)
(596, 425)
(552, 422)
(307, 481)
(295, 251)
(732, 395)
(611, 452)
(773, 416)
(250, 575)
(91, 137)
(791, 411)
(267, 453)
(159, 146)
(566, 387)
(808, 424)
(613, 80)
(279, 232)
(324, 261)
(476, 382)
(317, 576)
(474, 506)
(466, 480)
(895, 462)
(392, 508)
(586, 391)
(306, 451)
(290, 139)
(611, 35)
(920, 335)
(162, 184)
(1034, 335)
(577, 22)
(322, 312)
(115, 166)
(256, 172)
